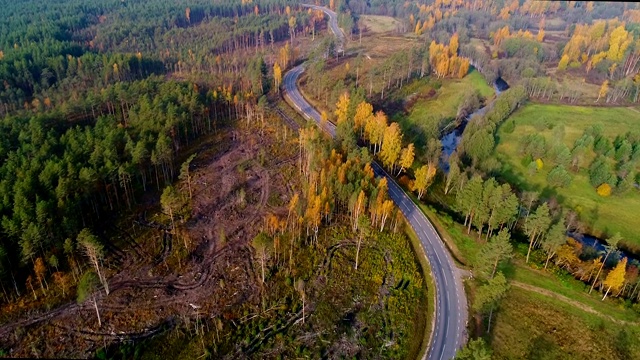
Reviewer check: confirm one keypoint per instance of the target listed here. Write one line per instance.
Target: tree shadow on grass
(622, 343)
(508, 269)
(543, 347)
(592, 216)
(549, 192)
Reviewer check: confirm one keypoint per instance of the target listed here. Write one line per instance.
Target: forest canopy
(99, 98)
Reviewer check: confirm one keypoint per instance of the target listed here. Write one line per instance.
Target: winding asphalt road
(333, 23)
(449, 331)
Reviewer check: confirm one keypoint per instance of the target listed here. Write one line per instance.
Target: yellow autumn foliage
(604, 190)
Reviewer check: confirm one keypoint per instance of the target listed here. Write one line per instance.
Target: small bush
(509, 127)
(406, 182)
(541, 124)
(604, 190)
(574, 65)
(550, 125)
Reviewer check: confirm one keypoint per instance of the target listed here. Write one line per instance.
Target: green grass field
(429, 114)
(533, 326)
(574, 289)
(603, 215)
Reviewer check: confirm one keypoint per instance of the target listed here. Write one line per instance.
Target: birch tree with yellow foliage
(615, 278)
(342, 108)
(391, 146)
(364, 114)
(424, 178)
(407, 155)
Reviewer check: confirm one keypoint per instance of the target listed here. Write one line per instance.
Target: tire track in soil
(212, 269)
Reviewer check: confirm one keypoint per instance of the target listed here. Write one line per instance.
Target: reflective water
(451, 139)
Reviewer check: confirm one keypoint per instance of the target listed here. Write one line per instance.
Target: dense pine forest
(74, 47)
(96, 110)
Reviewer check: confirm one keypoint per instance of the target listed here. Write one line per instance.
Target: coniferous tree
(497, 250)
(536, 226)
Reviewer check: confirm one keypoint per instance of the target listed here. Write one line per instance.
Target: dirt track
(567, 300)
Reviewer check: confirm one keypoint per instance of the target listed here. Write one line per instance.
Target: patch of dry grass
(379, 24)
(529, 325)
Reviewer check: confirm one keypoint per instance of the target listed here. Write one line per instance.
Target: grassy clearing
(555, 23)
(479, 44)
(604, 216)
(534, 326)
(589, 91)
(437, 104)
(572, 288)
(379, 24)
(379, 48)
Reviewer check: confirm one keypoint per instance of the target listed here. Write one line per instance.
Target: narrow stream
(599, 246)
(451, 139)
(450, 143)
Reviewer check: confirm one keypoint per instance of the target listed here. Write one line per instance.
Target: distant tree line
(74, 46)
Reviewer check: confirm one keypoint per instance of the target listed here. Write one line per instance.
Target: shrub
(406, 182)
(509, 127)
(601, 172)
(574, 65)
(559, 177)
(604, 190)
(541, 124)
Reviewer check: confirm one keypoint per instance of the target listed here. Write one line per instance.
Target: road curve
(333, 23)
(449, 331)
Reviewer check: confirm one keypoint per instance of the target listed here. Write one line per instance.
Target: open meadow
(604, 215)
(534, 326)
(378, 23)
